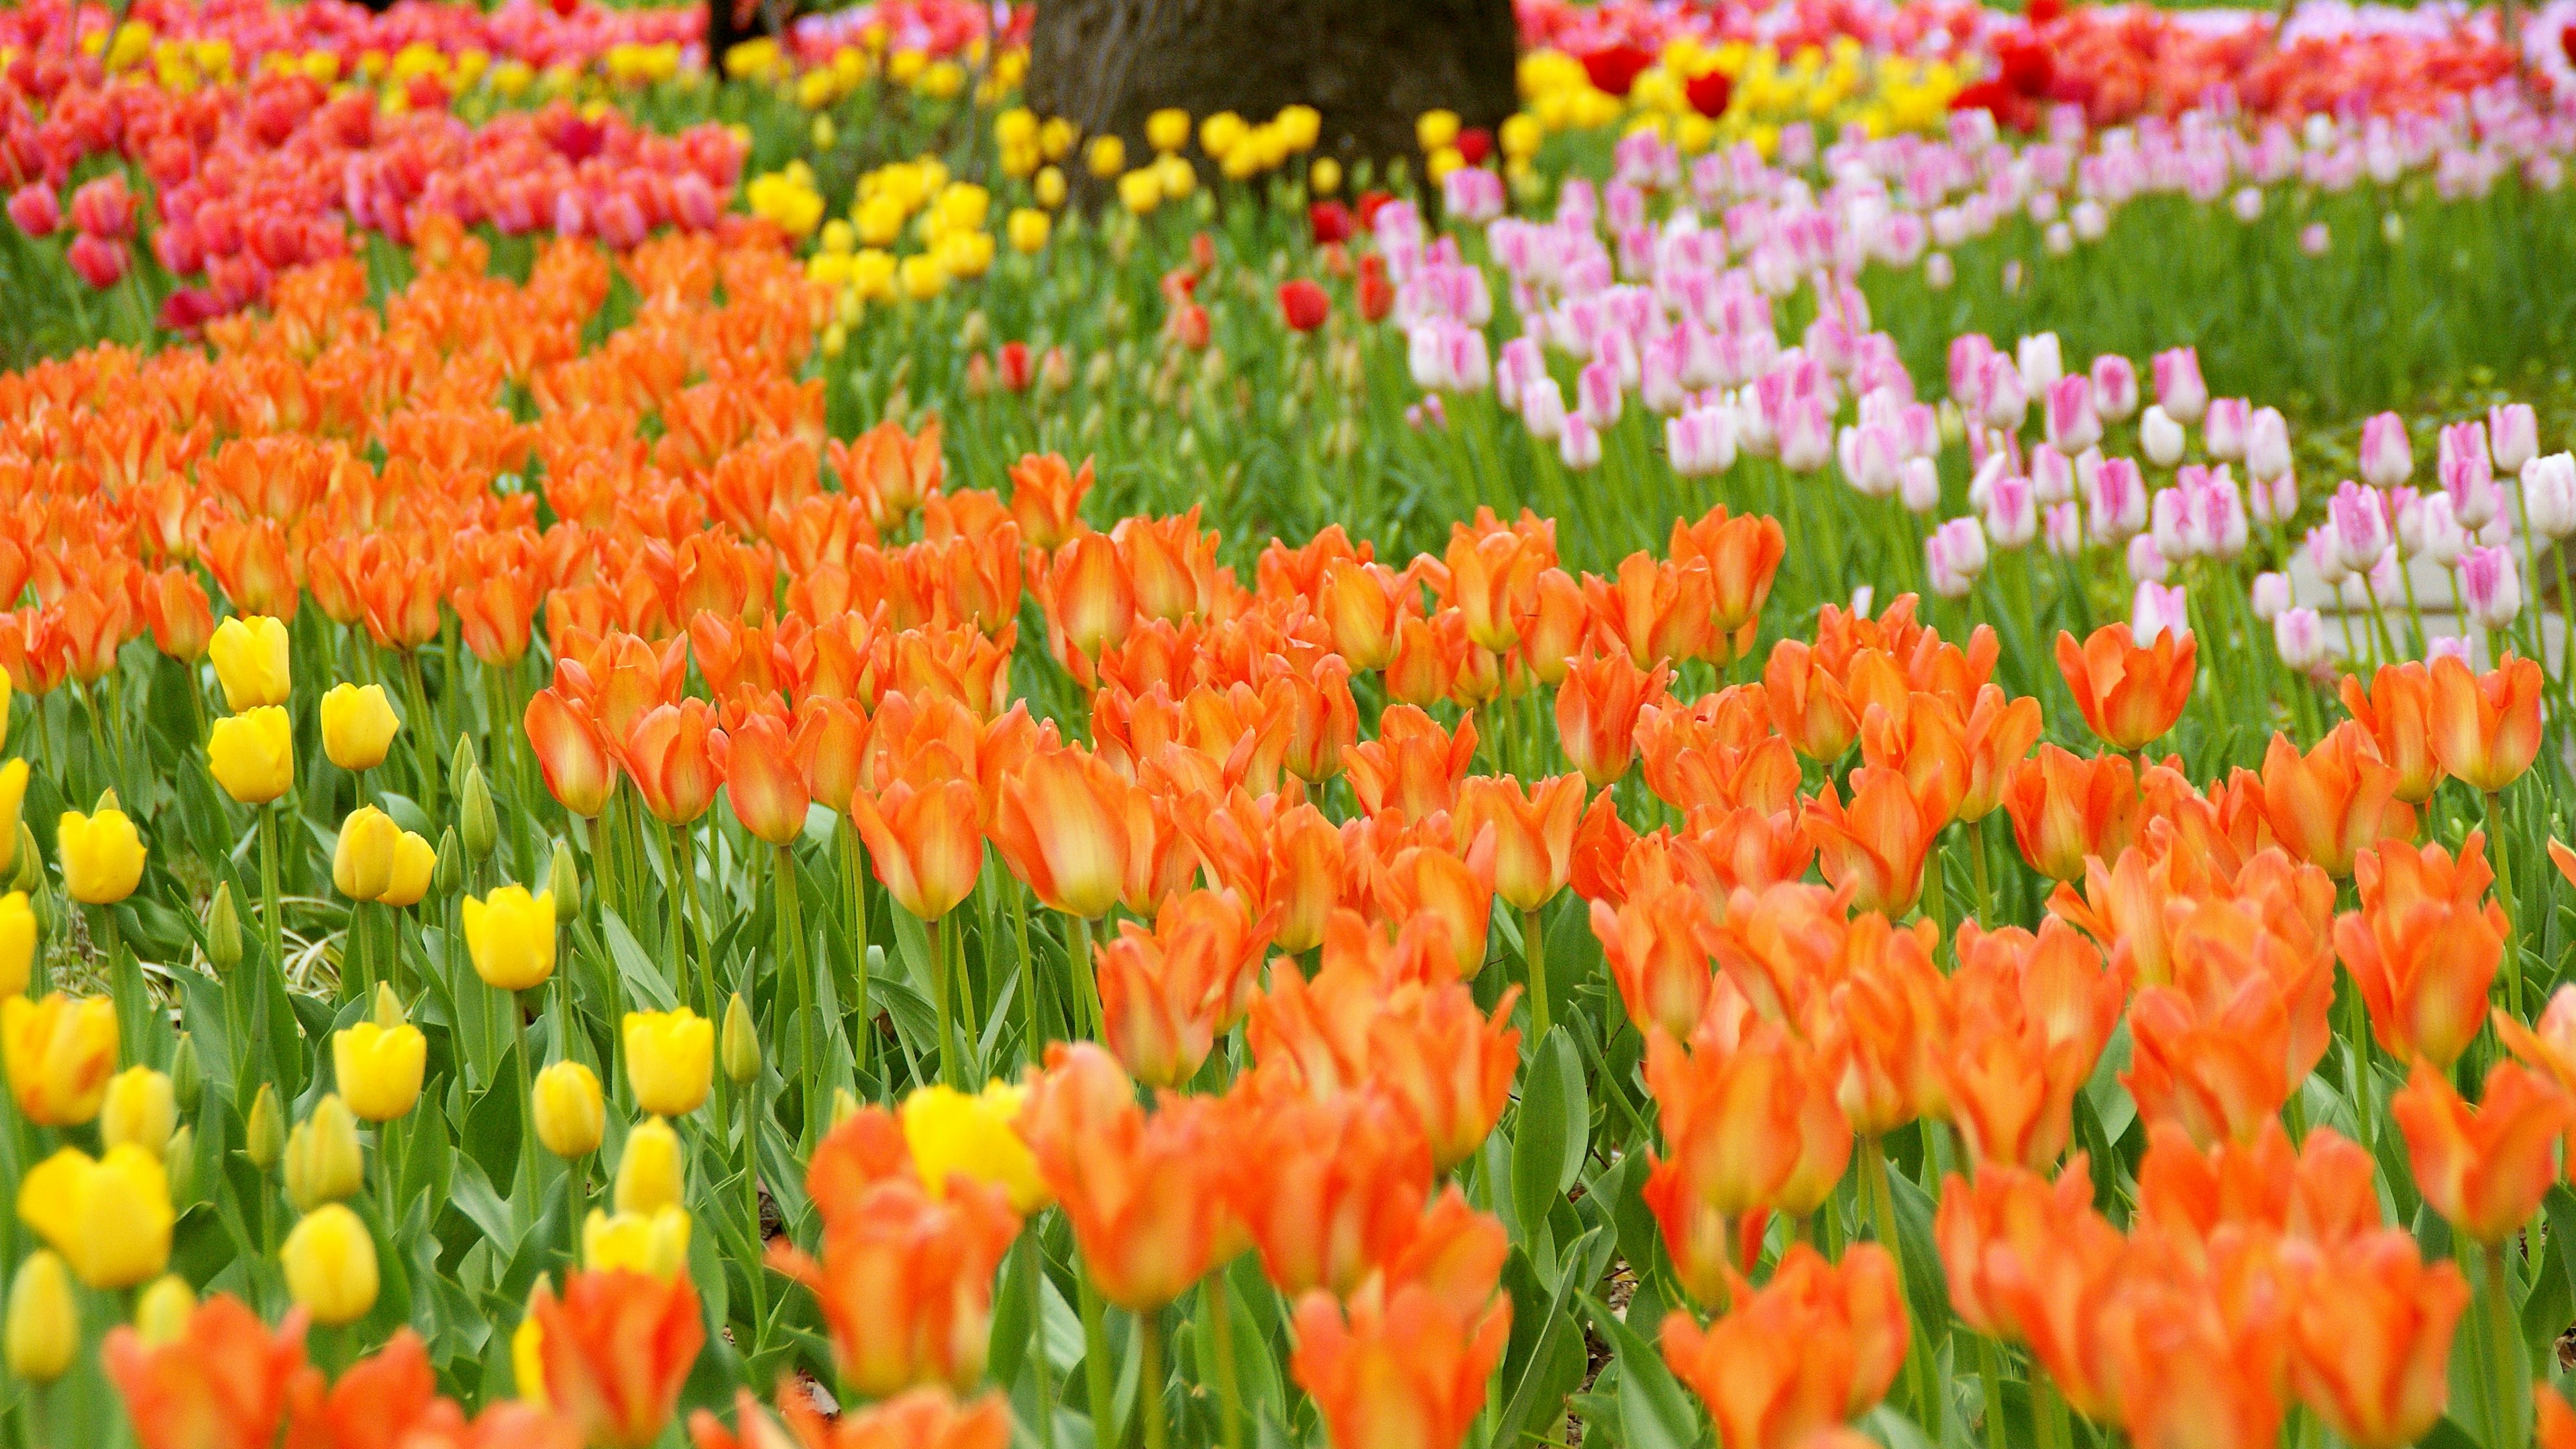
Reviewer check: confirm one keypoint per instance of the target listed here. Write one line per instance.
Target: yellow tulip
(528, 1362)
(656, 1242)
(331, 1265)
(1436, 129)
(1301, 126)
(954, 1134)
(571, 1115)
(1220, 133)
(101, 855)
(358, 725)
(109, 1217)
(1028, 229)
(1325, 176)
(1056, 136)
(253, 754)
(362, 864)
(1168, 129)
(1178, 177)
(378, 1068)
(140, 1110)
(44, 1322)
(415, 861)
(1106, 156)
(163, 1308)
(670, 1059)
(323, 1163)
(1049, 187)
(13, 789)
(651, 1173)
(17, 943)
(511, 936)
(60, 1052)
(1520, 135)
(1141, 190)
(250, 662)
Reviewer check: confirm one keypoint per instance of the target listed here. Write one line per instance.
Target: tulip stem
(1220, 1309)
(1977, 859)
(939, 985)
(863, 1036)
(2503, 1421)
(424, 737)
(2512, 906)
(1882, 1219)
(2365, 1112)
(271, 917)
(791, 926)
(527, 1103)
(1149, 1376)
(1997, 1435)
(1095, 1366)
(1035, 1048)
(1084, 977)
(1534, 948)
(1031, 1284)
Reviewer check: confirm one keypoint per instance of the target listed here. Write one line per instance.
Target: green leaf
(1552, 1132)
(1893, 1430)
(1551, 1370)
(635, 968)
(473, 1196)
(1653, 1408)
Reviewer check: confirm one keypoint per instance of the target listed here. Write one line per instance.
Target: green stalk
(2512, 905)
(1534, 947)
(1149, 1379)
(1997, 1436)
(2504, 1420)
(522, 1209)
(2365, 1111)
(855, 876)
(939, 984)
(1882, 1218)
(1096, 1371)
(1085, 978)
(1035, 1049)
(791, 926)
(1228, 1397)
(1029, 1274)
(269, 911)
(425, 738)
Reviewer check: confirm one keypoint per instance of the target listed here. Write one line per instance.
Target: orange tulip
(1493, 582)
(1429, 653)
(905, 1280)
(1413, 766)
(1398, 1366)
(1743, 555)
(1063, 824)
(1995, 1235)
(2129, 695)
(921, 833)
(1556, 628)
(2220, 1074)
(1145, 1195)
(1654, 945)
(2483, 1168)
(1884, 1027)
(1335, 1185)
(620, 678)
(1712, 1255)
(1278, 856)
(1596, 714)
(1816, 1346)
(1996, 738)
(1458, 889)
(1729, 1113)
(225, 1381)
(251, 565)
(763, 780)
(2424, 945)
(572, 753)
(2191, 1372)
(1046, 499)
(391, 1397)
(2322, 1194)
(2068, 811)
(614, 1348)
(1923, 739)
(1875, 848)
(2336, 801)
(2370, 1340)
(898, 469)
(831, 745)
(1533, 832)
(495, 615)
(1361, 604)
(2053, 1272)
(1809, 705)
(181, 617)
(2486, 727)
(670, 754)
(2554, 1422)
(1166, 994)
(1088, 600)
(1323, 719)
(1448, 1062)
(2034, 1015)
(1657, 612)
(2547, 1046)
(2397, 710)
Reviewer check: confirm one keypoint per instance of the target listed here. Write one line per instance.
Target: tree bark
(1369, 66)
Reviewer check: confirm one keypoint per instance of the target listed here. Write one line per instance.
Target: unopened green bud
(223, 930)
(476, 821)
(179, 1162)
(564, 879)
(264, 1137)
(741, 1049)
(187, 1074)
(449, 877)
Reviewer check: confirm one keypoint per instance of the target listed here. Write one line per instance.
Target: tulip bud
(223, 930)
(845, 1105)
(28, 872)
(179, 1160)
(378, 1068)
(651, 1173)
(44, 1323)
(323, 1163)
(252, 754)
(655, 1243)
(741, 1045)
(362, 860)
(563, 881)
(571, 1116)
(477, 822)
(358, 725)
(250, 657)
(330, 1263)
(187, 1074)
(510, 936)
(140, 1109)
(264, 1135)
(18, 937)
(449, 874)
(163, 1308)
(669, 1059)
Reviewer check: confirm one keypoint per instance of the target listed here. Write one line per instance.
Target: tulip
(2129, 694)
(671, 754)
(1809, 705)
(1063, 822)
(415, 861)
(956, 1134)
(250, 662)
(253, 754)
(2397, 710)
(1046, 499)
(572, 753)
(510, 935)
(613, 1349)
(1142, 1193)
(1165, 994)
(652, 1171)
(656, 1243)
(571, 1116)
(1596, 714)
(2485, 729)
(358, 725)
(323, 1163)
(139, 1110)
(1817, 1345)
(2424, 946)
(1336, 1186)
(2335, 802)
(1875, 847)
(2068, 810)
(60, 1052)
(1397, 1364)
(101, 855)
(378, 1068)
(1533, 832)
(330, 1263)
(17, 943)
(670, 1060)
(763, 780)
(922, 839)
(43, 1332)
(225, 1378)
(110, 1218)
(2483, 1168)
(2370, 1340)
(362, 860)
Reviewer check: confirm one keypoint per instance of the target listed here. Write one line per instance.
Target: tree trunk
(1370, 66)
